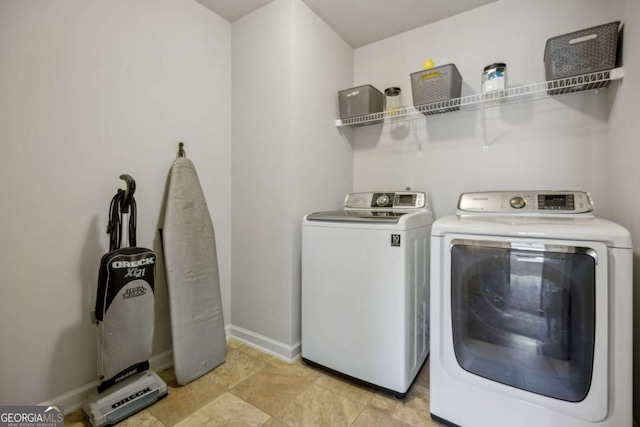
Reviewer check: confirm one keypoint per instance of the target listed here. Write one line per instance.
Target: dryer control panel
(547, 202)
(386, 200)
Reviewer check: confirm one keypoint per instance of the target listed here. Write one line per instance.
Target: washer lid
(357, 216)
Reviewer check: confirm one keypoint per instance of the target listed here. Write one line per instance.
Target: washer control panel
(386, 200)
(559, 202)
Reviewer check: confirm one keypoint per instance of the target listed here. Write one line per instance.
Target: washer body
(531, 305)
(365, 288)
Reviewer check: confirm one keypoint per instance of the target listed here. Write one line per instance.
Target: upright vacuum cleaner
(125, 320)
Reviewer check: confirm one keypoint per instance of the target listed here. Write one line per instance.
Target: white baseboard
(286, 352)
(73, 399)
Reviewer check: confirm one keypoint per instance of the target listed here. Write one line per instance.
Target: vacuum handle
(128, 193)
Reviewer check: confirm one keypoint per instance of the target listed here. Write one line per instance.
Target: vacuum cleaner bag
(125, 314)
(189, 244)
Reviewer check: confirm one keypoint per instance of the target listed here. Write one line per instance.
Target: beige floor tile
(141, 419)
(238, 367)
(296, 367)
(345, 387)
(412, 410)
(179, 404)
(274, 422)
(205, 389)
(232, 343)
(272, 360)
(76, 419)
(236, 345)
(317, 406)
(271, 389)
(246, 349)
(226, 410)
(388, 403)
(422, 379)
(305, 370)
(369, 417)
(197, 419)
(169, 377)
(384, 403)
(183, 401)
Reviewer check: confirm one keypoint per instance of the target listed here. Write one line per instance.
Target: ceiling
(360, 22)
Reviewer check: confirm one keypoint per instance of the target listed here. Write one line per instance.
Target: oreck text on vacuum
(133, 396)
(129, 264)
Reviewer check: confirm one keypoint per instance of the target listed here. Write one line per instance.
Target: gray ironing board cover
(189, 245)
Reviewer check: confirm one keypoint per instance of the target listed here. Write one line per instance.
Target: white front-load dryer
(365, 288)
(531, 313)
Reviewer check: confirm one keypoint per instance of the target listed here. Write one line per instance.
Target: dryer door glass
(524, 315)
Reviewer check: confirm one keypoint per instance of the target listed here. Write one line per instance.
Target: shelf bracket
(485, 146)
(616, 73)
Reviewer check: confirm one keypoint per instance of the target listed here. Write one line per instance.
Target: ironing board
(189, 245)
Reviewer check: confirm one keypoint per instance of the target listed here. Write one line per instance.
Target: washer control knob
(517, 202)
(382, 200)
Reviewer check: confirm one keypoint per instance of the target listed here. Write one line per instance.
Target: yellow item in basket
(428, 64)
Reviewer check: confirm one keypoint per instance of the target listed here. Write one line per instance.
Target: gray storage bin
(360, 101)
(582, 52)
(437, 84)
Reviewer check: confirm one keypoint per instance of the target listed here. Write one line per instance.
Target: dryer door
(525, 314)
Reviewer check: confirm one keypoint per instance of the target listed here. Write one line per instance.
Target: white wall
(550, 144)
(91, 90)
(287, 159)
(322, 158)
(261, 171)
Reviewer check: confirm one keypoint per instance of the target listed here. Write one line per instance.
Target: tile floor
(254, 389)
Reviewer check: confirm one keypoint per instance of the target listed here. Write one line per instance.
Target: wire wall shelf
(529, 92)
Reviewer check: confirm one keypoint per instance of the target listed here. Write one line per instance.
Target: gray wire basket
(582, 52)
(360, 101)
(436, 84)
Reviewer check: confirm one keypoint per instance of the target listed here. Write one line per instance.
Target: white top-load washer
(365, 288)
(531, 313)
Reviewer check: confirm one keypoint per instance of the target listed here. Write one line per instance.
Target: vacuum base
(124, 399)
